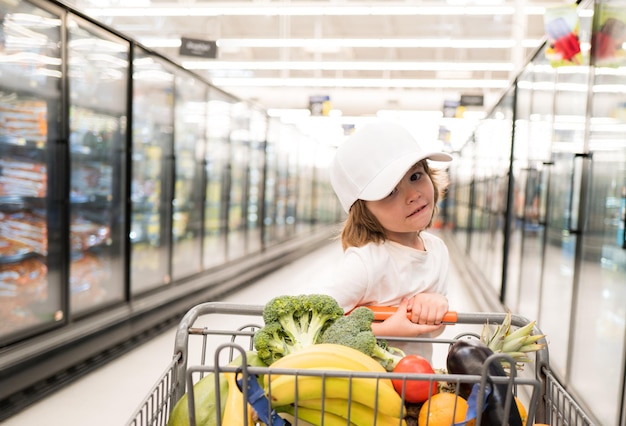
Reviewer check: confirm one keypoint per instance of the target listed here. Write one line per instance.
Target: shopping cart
(200, 350)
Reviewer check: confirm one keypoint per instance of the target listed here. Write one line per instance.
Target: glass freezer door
(98, 82)
(152, 165)
(31, 293)
(559, 260)
(533, 245)
(258, 134)
(600, 324)
(217, 174)
(271, 183)
(238, 181)
(563, 204)
(190, 141)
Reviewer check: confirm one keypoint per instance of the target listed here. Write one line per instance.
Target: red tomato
(414, 390)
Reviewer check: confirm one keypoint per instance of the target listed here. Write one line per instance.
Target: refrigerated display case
(323, 198)
(152, 168)
(256, 180)
(562, 220)
(115, 193)
(598, 328)
(239, 156)
(217, 174)
(490, 191)
(247, 149)
(271, 181)
(599, 323)
(533, 233)
(98, 66)
(281, 183)
(189, 151)
(307, 156)
(288, 186)
(531, 171)
(32, 296)
(568, 218)
(460, 194)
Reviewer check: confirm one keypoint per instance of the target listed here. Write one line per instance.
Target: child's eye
(415, 176)
(392, 192)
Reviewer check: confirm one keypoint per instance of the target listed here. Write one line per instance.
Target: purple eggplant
(468, 357)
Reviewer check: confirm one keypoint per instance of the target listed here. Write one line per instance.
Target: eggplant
(468, 356)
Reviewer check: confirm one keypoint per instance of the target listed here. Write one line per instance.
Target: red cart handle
(381, 313)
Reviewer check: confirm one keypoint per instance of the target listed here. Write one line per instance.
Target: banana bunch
(332, 400)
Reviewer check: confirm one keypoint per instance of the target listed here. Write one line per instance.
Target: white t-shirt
(382, 274)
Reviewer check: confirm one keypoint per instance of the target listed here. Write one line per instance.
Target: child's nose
(412, 195)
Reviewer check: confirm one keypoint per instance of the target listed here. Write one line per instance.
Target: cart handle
(381, 313)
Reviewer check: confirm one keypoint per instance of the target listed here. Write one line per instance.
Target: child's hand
(399, 324)
(427, 308)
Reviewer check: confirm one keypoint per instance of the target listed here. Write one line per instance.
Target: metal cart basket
(200, 350)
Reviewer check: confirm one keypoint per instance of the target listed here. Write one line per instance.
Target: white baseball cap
(370, 163)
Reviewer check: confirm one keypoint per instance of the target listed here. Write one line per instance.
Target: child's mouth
(417, 211)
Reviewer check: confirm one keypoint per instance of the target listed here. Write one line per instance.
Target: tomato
(415, 390)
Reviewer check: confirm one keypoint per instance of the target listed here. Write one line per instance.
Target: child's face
(409, 207)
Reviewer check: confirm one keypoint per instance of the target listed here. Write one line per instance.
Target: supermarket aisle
(109, 395)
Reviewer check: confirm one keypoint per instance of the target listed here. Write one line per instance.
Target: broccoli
(271, 344)
(294, 322)
(355, 330)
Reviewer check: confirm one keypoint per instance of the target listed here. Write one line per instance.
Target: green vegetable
(292, 323)
(355, 330)
(205, 397)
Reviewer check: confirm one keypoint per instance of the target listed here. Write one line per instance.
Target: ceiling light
(318, 43)
(359, 42)
(361, 82)
(348, 66)
(409, 115)
(330, 9)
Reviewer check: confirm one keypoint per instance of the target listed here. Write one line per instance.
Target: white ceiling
(366, 56)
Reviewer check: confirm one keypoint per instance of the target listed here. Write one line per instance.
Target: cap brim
(388, 178)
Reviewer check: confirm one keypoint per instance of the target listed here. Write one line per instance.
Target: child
(385, 183)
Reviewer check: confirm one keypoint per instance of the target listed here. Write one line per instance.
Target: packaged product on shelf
(91, 179)
(87, 273)
(23, 119)
(11, 248)
(24, 178)
(24, 282)
(26, 227)
(85, 234)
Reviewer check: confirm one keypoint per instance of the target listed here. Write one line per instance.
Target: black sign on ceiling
(472, 100)
(198, 48)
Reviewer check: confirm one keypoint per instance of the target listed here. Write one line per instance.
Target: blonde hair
(361, 227)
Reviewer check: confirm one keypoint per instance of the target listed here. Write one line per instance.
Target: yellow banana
(234, 408)
(360, 415)
(289, 389)
(314, 417)
(324, 356)
(352, 358)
